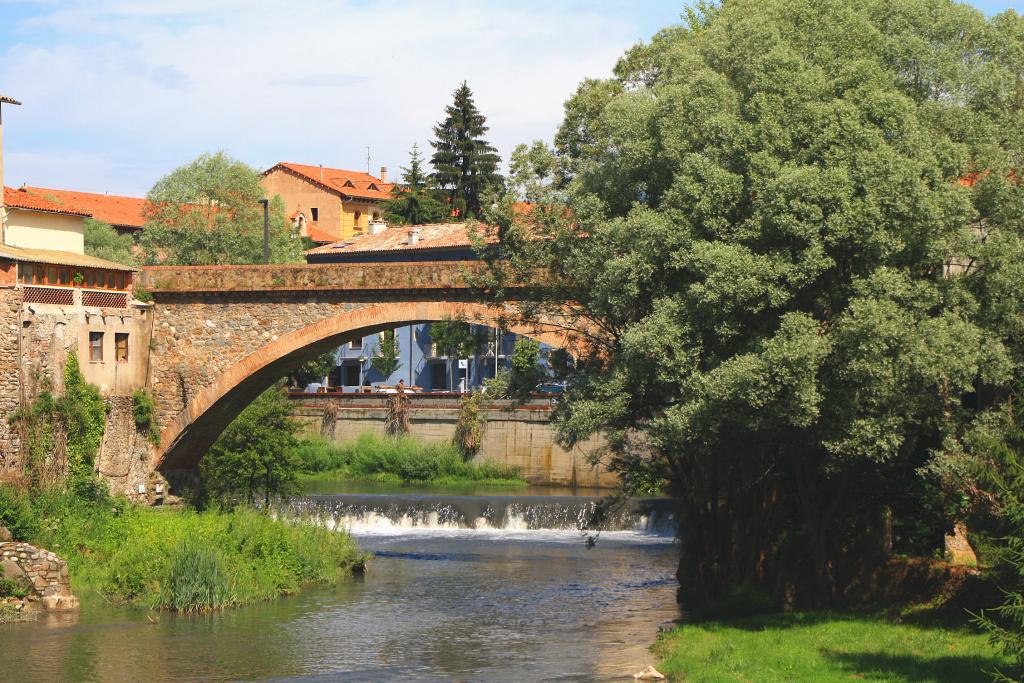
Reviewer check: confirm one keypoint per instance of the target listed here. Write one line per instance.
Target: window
(65, 276)
(314, 212)
(96, 347)
(90, 278)
(355, 220)
(121, 346)
(356, 344)
(51, 275)
(25, 273)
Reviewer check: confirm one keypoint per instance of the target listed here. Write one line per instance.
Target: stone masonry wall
(10, 378)
(522, 437)
(43, 572)
(195, 340)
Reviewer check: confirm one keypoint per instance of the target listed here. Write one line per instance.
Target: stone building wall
(10, 378)
(45, 574)
(519, 436)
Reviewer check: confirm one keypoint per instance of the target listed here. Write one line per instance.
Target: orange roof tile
(355, 184)
(320, 236)
(20, 199)
(432, 236)
(120, 211)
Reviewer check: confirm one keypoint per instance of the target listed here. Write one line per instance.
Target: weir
(367, 513)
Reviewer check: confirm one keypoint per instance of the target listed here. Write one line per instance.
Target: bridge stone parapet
(222, 335)
(437, 275)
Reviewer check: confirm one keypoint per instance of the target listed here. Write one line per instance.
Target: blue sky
(119, 92)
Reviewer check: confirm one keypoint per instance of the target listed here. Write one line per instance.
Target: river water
(478, 586)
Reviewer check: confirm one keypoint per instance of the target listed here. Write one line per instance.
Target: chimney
(321, 173)
(383, 174)
(378, 226)
(414, 236)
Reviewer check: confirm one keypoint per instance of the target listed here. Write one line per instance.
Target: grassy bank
(176, 559)
(398, 460)
(826, 647)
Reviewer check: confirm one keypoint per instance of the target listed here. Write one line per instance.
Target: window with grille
(121, 346)
(96, 347)
(356, 344)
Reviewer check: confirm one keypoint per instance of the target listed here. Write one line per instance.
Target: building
(328, 204)
(68, 301)
(124, 214)
(422, 364)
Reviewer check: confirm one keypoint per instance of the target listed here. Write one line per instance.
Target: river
(474, 586)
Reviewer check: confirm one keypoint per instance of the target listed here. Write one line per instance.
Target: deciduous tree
(794, 247)
(208, 213)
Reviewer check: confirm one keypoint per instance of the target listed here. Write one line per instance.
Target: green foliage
(255, 453)
(1004, 479)
(144, 413)
(16, 512)
(413, 202)
(398, 459)
(316, 369)
(387, 359)
(102, 241)
(9, 588)
(208, 213)
(825, 647)
(196, 580)
(469, 428)
(181, 559)
(465, 164)
(142, 294)
(762, 206)
(36, 426)
(455, 338)
(523, 374)
(83, 414)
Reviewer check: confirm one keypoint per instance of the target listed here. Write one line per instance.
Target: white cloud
(148, 85)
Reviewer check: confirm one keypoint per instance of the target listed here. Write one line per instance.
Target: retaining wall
(521, 436)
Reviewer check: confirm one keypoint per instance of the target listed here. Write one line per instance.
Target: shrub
(144, 413)
(196, 580)
(9, 588)
(16, 513)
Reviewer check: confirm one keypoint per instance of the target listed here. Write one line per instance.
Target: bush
(144, 413)
(9, 588)
(16, 513)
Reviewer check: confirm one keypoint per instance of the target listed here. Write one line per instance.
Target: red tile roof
(20, 199)
(355, 184)
(432, 236)
(119, 211)
(320, 236)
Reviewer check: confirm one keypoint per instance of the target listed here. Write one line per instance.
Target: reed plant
(196, 580)
(399, 459)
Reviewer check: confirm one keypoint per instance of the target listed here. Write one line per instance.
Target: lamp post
(3, 209)
(266, 230)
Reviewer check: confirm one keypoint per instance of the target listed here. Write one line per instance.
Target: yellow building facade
(328, 204)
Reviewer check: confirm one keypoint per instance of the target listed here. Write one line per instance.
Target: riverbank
(175, 559)
(828, 646)
(398, 460)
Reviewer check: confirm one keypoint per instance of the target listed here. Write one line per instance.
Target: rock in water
(649, 674)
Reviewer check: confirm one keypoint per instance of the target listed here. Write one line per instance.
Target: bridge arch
(185, 437)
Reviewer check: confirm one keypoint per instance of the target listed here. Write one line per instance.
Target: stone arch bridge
(224, 334)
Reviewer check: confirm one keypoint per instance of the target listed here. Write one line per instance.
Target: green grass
(399, 460)
(182, 559)
(824, 646)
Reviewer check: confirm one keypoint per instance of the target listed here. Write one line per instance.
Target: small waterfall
(384, 512)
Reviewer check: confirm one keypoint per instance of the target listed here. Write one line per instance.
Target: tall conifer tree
(465, 164)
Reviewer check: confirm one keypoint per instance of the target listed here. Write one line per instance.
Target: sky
(118, 93)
